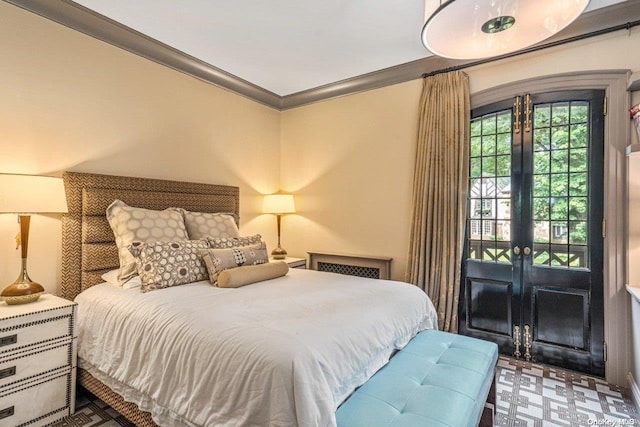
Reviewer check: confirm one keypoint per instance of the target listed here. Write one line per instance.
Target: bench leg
(490, 406)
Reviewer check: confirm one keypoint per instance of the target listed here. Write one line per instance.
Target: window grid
(489, 221)
(560, 190)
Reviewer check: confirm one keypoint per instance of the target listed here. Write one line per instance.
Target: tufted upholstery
(438, 379)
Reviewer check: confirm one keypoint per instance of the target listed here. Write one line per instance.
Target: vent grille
(351, 270)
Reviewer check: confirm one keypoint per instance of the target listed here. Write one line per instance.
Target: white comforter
(283, 352)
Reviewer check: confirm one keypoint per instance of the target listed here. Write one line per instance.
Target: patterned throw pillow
(218, 260)
(202, 224)
(131, 224)
(233, 242)
(164, 264)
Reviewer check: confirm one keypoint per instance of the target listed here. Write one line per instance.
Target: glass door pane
(489, 215)
(560, 184)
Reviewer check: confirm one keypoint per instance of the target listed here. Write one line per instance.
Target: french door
(533, 268)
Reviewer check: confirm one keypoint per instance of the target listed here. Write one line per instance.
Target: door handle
(516, 250)
(527, 343)
(527, 250)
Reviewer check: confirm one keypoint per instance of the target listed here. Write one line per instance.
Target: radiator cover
(374, 267)
(351, 270)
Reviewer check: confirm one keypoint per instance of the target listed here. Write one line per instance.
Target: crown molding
(80, 18)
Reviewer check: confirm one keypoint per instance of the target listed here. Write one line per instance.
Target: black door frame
(523, 300)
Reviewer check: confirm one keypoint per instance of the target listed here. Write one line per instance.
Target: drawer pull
(6, 412)
(7, 372)
(8, 340)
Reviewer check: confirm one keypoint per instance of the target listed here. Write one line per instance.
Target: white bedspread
(283, 352)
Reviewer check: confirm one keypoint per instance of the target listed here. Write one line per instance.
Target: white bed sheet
(283, 352)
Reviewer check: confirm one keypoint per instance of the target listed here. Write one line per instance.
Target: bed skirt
(127, 409)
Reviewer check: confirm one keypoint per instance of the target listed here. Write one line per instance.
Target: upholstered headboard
(88, 246)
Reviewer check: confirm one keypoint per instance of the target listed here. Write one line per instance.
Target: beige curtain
(440, 193)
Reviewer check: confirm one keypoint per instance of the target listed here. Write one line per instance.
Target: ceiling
(284, 46)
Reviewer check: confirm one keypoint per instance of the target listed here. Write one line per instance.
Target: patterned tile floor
(535, 395)
(91, 411)
(527, 395)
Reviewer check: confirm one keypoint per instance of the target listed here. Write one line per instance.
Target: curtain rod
(626, 26)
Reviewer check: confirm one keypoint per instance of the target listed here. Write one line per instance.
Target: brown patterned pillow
(233, 242)
(201, 225)
(218, 260)
(131, 224)
(164, 264)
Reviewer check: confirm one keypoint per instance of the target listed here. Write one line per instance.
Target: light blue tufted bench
(438, 379)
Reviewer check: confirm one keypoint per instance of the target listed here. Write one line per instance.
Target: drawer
(28, 364)
(38, 404)
(38, 328)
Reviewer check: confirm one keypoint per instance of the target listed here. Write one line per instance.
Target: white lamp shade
(27, 194)
(454, 28)
(279, 204)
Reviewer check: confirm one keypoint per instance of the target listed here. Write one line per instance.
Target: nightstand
(293, 262)
(37, 361)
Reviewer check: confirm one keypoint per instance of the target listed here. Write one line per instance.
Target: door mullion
(526, 226)
(518, 230)
(528, 272)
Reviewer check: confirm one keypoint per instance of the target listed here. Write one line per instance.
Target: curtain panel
(439, 199)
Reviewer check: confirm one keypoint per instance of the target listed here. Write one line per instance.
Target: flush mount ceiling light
(474, 29)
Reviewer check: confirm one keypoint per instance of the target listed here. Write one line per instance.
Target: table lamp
(25, 195)
(279, 204)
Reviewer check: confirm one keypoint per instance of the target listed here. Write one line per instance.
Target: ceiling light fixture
(475, 29)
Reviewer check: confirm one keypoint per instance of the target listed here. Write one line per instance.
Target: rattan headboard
(88, 246)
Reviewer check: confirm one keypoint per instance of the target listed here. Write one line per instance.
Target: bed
(282, 352)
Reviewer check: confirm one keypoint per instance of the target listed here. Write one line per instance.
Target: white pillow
(111, 277)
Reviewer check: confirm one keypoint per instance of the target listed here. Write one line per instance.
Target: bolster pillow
(236, 277)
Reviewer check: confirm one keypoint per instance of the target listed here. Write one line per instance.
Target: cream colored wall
(350, 160)
(611, 51)
(71, 102)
